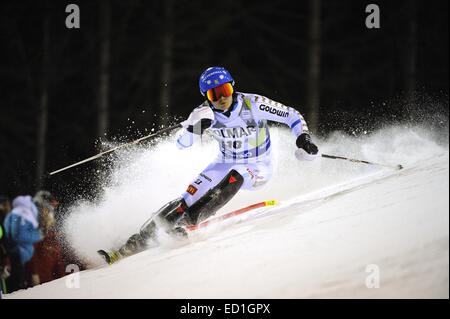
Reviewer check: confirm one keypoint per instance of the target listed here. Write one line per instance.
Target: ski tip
(271, 202)
(104, 255)
(110, 257)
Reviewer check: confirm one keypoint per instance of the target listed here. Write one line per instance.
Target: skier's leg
(215, 198)
(208, 192)
(256, 175)
(138, 242)
(249, 176)
(211, 200)
(214, 187)
(206, 180)
(204, 200)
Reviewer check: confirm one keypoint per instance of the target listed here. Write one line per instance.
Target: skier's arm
(277, 112)
(198, 121)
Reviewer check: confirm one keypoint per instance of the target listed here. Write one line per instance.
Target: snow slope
(337, 226)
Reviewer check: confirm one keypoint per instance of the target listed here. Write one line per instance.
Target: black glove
(304, 142)
(200, 126)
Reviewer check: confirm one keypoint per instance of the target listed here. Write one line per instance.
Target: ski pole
(167, 129)
(361, 161)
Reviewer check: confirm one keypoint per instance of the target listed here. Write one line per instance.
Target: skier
(238, 121)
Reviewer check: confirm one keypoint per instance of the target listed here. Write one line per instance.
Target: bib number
(234, 144)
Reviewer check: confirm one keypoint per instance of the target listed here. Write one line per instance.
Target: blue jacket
(21, 228)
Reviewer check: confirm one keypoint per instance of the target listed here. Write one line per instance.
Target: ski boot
(165, 217)
(174, 219)
(134, 244)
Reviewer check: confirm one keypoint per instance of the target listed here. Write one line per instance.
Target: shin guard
(216, 197)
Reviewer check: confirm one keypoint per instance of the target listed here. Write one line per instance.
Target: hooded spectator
(5, 265)
(21, 229)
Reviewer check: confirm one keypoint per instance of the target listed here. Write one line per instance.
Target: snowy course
(340, 230)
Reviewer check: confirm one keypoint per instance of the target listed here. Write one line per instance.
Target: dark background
(142, 60)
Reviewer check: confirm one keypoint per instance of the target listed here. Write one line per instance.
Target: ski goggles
(216, 93)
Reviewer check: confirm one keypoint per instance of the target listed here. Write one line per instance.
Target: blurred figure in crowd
(47, 262)
(45, 198)
(5, 265)
(21, 228)
(5, 207)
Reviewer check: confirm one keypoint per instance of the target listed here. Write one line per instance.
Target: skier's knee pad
(216, 197)
(134, 244)
(166, 216)
(170, 210)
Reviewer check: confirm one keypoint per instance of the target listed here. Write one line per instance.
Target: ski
(182, 232)
(231, 214)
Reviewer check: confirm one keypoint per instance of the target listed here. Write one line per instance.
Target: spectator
(5, 265)
(5, 207)
(21, 229)
(4, 270)
(45, 198)
(46, 263)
